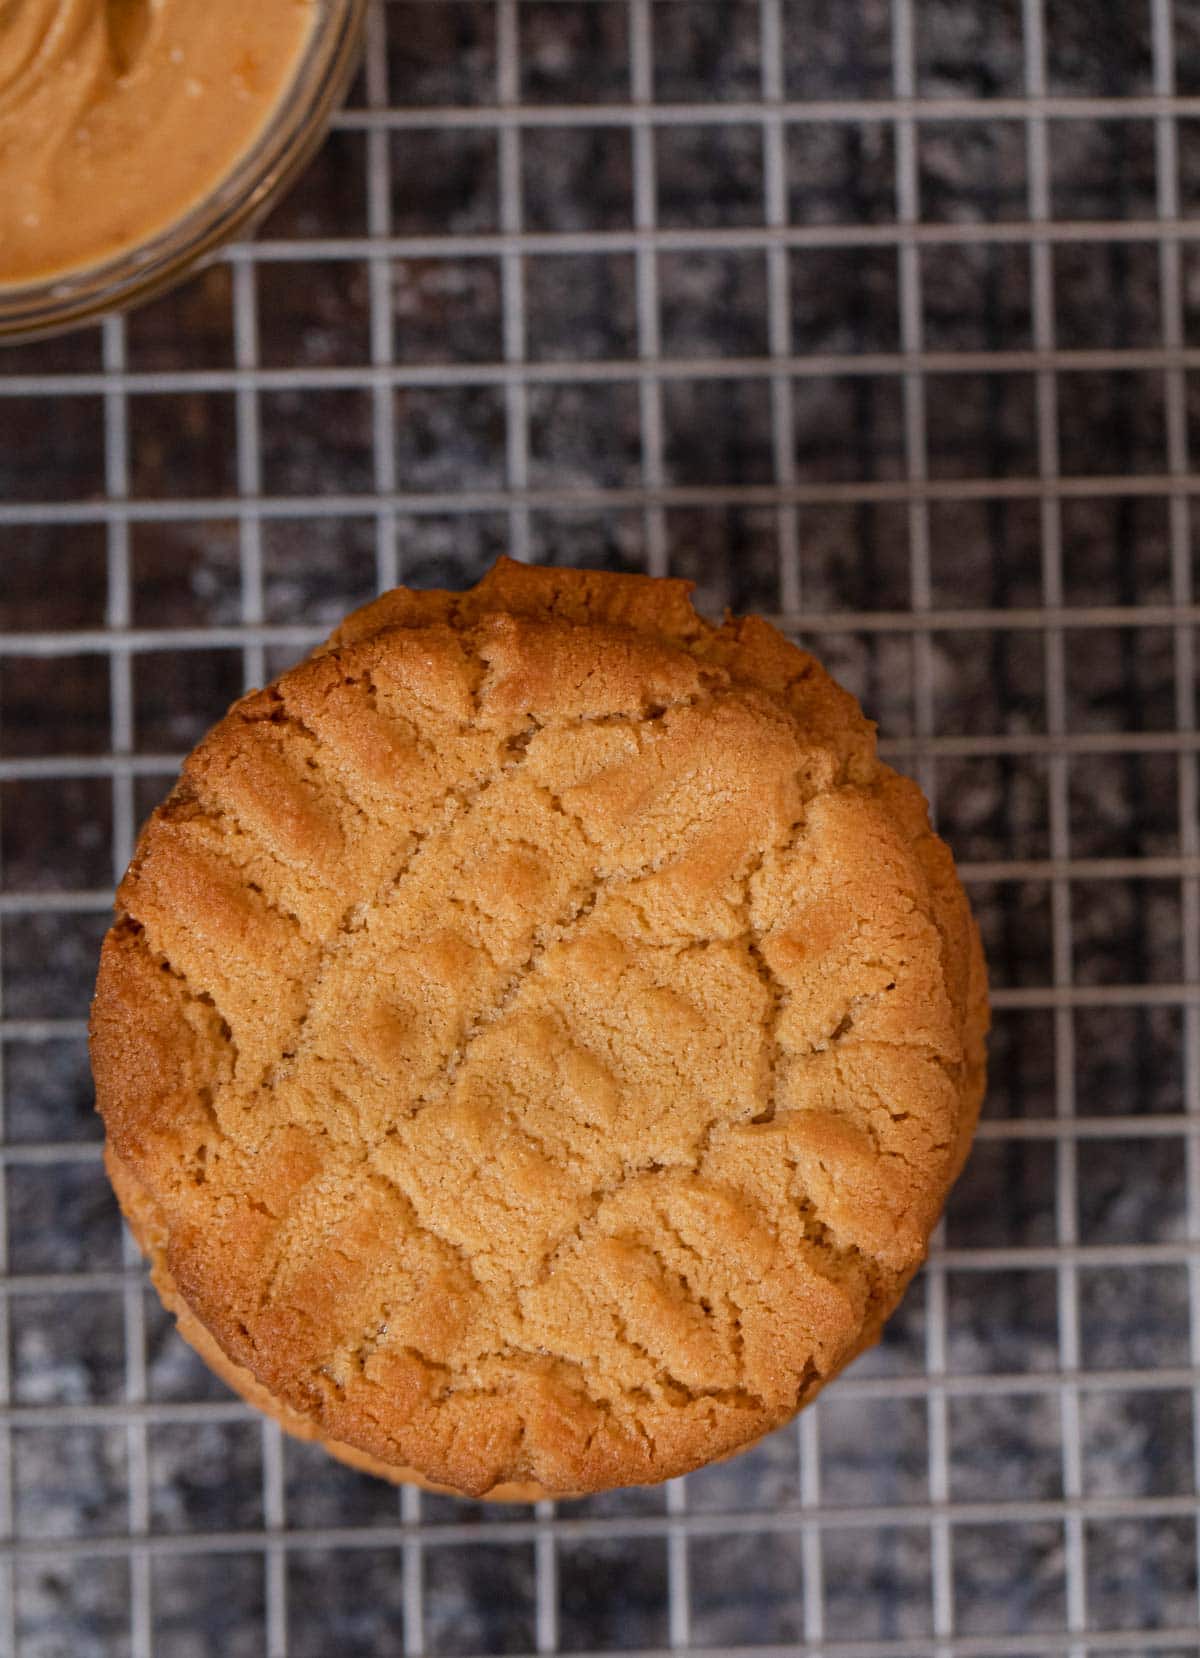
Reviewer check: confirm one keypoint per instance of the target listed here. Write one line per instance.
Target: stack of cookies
(538, 1036)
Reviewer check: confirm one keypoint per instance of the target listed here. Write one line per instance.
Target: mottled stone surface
(588, 443)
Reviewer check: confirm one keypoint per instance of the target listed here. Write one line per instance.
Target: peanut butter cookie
(538, 1036)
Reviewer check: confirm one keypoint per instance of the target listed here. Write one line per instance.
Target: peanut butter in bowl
(118, 116)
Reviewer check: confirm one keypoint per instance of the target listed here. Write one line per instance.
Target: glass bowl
(236, 205)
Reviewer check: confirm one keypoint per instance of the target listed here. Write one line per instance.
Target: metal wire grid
(412, 1536)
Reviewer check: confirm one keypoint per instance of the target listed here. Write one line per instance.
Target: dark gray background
(1064, 1502)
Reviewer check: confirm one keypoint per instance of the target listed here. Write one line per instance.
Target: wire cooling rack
(884, 321)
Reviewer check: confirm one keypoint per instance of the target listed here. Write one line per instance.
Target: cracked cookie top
(541, 1032)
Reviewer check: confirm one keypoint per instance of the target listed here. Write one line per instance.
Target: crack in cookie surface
(543, 1033)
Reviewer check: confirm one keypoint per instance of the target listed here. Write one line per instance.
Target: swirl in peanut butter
(118, 116)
